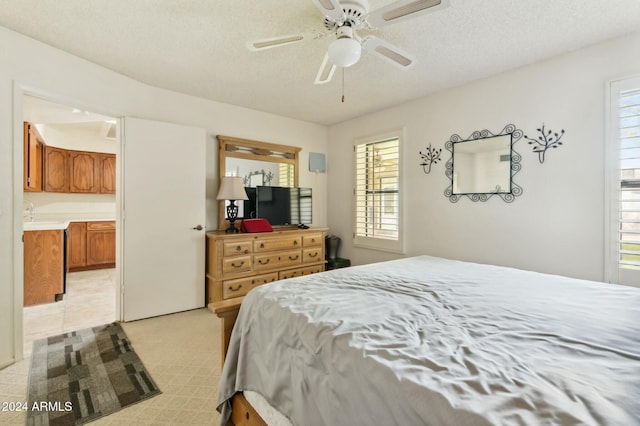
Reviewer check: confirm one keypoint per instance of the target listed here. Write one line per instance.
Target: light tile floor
(90, 300)
(181, 352)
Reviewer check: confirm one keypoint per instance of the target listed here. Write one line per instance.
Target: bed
(426, 340)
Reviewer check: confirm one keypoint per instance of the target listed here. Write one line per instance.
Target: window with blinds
(285, 174)
(629, 179)
(377, 194)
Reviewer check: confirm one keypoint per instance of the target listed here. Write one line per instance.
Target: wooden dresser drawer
(232, 265)
(241, 286)
(276, 260)
(312, 254)
(283, 275)
(312, 240)
(290, 258)
(236, 248)
(265, 279)
(236, 288)
(282, 243)
(266, 261)
(298, 272)
(312, 269)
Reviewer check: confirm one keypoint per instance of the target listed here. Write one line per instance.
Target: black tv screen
(284, 206)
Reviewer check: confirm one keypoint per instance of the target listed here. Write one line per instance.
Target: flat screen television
(280, 205)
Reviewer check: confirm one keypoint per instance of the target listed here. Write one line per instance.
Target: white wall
(77, 136)
(55, 206)
(557, 225)
(47, 72)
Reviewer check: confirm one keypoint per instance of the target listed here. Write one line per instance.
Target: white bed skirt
(268, 413)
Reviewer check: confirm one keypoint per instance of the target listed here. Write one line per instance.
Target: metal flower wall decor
(547, 139)
(430, 156)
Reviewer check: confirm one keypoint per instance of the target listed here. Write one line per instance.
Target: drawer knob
(295, 242)
(313, 254)
(238, 248)
(237, 266)
(246, 251)
(265, 262)
(261, 245)
(235, 289)
(294, 258)
(313, 240)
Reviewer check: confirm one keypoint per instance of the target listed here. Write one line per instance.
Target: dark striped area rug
(80, 376)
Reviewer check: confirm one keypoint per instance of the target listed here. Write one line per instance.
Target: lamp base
(232, 214)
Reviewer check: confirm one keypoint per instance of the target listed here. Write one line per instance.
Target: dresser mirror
(483, 165)
(257, 163)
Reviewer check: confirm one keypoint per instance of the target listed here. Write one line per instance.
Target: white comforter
(426, 340)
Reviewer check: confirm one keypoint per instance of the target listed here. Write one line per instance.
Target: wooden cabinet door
(77, 245)
(101, 243)
(108, 173)
(33, 153)
(56, 169)
(84, 171)
(43, 266)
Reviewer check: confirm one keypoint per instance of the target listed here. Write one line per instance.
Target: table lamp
(232, 189)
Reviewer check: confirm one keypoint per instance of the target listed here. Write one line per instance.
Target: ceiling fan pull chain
(342, 85)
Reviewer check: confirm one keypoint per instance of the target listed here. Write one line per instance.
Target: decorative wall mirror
(258, 163)
(484, 165)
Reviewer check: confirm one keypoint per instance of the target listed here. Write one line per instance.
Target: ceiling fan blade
(269, 43)
(387, 51)
(331, 9)
(325, 73)
(403, 10)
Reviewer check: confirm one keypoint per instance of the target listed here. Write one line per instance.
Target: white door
(163, 202)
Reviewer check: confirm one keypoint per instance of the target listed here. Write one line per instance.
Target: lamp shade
(344, 52)
(232, 188)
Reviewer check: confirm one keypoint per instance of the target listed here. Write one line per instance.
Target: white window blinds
(285, 175)
(629, 179)
(377, 194)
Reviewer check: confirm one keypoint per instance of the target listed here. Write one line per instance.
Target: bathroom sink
(45, 225)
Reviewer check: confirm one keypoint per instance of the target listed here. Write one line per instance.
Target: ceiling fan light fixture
(345, 50)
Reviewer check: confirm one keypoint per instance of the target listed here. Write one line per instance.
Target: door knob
(198, 228)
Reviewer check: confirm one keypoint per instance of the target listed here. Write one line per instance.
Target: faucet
(31, 209)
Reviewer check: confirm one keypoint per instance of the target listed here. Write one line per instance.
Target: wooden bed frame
(227, 311)
(243, 414)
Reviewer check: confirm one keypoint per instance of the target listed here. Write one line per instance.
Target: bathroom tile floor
(90, 300)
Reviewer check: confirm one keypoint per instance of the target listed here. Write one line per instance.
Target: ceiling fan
(343, 19)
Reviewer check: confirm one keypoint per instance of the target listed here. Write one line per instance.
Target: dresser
(236, 263)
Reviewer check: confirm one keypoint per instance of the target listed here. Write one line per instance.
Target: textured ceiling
(198, 46)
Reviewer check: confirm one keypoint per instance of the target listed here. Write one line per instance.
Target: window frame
(377, 243)
(613, 272)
